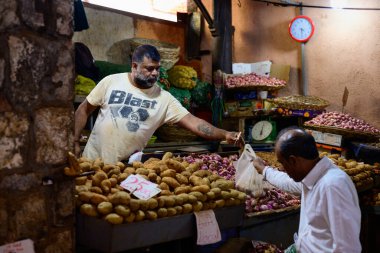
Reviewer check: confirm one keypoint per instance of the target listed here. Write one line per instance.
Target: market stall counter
(98, 234)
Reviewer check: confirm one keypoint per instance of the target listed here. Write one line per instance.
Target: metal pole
(303, 65)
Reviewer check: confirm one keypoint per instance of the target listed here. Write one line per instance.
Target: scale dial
(261, 130)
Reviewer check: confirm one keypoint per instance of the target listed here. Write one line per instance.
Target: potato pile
(359, 172)
(184, 189)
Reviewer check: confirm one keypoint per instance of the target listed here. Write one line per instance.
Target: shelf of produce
(97, 234)
(276, 228)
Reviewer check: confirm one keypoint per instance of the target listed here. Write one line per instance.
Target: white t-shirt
(128, 117)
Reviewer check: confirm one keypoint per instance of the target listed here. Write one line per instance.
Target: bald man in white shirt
(330, 213)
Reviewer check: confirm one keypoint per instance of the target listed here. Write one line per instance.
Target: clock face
(301, 28)
(261, 130)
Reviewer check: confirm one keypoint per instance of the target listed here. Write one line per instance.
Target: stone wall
(36, 123)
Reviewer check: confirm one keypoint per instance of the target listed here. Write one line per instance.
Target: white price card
(140, 187)
(207, 227)
(24, 246)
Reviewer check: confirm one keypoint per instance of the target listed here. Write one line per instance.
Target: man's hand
(259, 164)
(235, 138)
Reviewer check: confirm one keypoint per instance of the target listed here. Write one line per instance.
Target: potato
(85, 196)
(158, 180)
(98, 198)
(105, 207)
(161, 201)
(193, 167)
(164, 186)
(178, 209)
(113, 181)
(140, 215)
(152, 203)
(162, 212)
(137, 164)
(120, 165)
(98, 162)
(123, 210)
(84, 159)
(201, 188)
(223, 184)
(197, 206)
(214, 177)
(202, 173)
(89, 210)
(151, 215)
(181, 179)
(199, 196)
(178, 200)
(175, 165)
(165, 193)
(182, 189)
(220, 203)
(186, 174)
(108, 167)
(167, 156)
(85, 166)
(114, 190)
(242, 196)
(171, 211)
(142, 171)
(168, 173)
(96, 189)
(134, 204)
(187, 208)
(234, 193)
(230, 202)
(120, 197)
(173, 183)
(192, 198)
(143, 204)
(169, 201)
(114, 172)
(82, 188)
(225, 195)
(129, 170)
(105, 185)
(98, 178)
(196, 181)
(152, 177)
(130, 218)
(210, 195)
(184, 197)
(80, 180)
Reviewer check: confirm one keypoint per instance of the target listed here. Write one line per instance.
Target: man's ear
(134, 65)
(292, 160)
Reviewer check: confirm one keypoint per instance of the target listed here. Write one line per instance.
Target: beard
(145, 82)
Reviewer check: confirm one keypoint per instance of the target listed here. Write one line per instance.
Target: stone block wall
(36, 123)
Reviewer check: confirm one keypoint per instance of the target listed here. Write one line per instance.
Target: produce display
(342, 121)
(301, 102)
(372, 198)
(222, 166)
(183, 77)
(360, 173)
(252, 80)
(272, 200)
(184, 188)
(270, 158)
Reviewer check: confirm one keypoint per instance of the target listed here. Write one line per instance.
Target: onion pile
(272, 199)
(223, 166)
(262, 247)
(252, 79)
(342, 120)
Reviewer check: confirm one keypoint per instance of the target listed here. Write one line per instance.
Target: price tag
(140, 187)
(207, 228)
(24, 246)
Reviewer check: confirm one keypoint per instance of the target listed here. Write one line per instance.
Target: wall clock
(264, 130)
(301, 28)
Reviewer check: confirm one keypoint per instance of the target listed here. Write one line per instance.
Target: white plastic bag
(247, 178)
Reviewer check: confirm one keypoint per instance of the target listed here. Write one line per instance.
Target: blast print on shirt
(131, 108)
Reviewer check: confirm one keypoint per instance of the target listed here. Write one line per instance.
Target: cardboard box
(264, 68)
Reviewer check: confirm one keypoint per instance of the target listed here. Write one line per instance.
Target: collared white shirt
(330, 213)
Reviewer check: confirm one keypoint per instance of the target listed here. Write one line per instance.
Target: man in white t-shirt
(330, 213)
(132, 106)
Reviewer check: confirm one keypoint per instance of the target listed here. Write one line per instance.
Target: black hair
(147, 51)
(300, 143)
